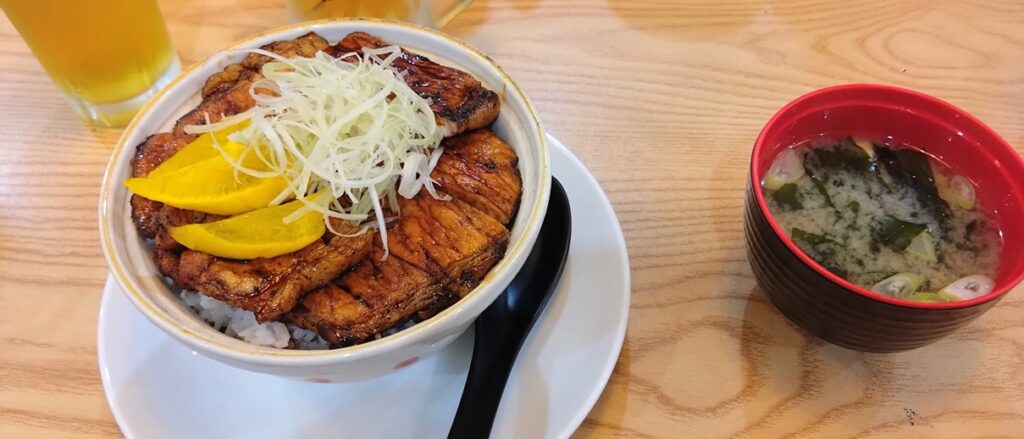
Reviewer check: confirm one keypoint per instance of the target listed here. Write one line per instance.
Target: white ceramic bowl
(130, 257)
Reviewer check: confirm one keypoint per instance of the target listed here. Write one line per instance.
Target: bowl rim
(760, 145)
(312, 358)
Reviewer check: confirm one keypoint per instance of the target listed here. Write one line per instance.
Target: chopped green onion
(787, 168)
(962, 191)
(348, 126)
(867, 146)
(899, 285)
(970, 287)
(922, 246)
(930, 297)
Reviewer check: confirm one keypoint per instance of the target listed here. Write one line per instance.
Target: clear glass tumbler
(434, 13)
(107, 57)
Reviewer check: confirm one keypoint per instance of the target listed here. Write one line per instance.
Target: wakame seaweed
(820, 248)
(820, 187)
(912, 167)
(787, 196)
(847, 155)
(896, 233)
(970, 228)
(811, 238)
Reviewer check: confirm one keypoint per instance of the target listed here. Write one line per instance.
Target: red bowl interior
(966, 144)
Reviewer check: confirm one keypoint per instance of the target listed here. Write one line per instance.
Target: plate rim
(573, 424)
(620, 241)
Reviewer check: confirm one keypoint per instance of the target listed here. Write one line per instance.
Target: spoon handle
(503, 326)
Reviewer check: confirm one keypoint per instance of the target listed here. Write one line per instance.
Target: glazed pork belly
(378, 294)
(459, 101)
(481, 169)
(270, 287)
(439, 251)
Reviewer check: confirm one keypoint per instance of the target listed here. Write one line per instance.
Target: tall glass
(434, 13)
(107, 57)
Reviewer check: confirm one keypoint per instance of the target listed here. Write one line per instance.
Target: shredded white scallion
(349, 127)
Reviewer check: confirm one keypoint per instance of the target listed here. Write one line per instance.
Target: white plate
(158, 388)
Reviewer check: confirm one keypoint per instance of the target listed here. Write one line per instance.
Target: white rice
(242, 324)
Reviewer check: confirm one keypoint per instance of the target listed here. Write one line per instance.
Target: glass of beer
(107, 57)
(434, 13)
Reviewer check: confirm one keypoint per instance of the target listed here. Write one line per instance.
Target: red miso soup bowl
(833, 308)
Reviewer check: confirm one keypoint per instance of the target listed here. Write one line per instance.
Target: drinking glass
(434, 13)
(107, 57)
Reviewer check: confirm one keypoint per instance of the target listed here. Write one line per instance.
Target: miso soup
(885, 216)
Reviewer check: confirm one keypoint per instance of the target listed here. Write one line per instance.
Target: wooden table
(662, 101)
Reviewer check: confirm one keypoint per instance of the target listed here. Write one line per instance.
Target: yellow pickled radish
(198, 150)
(262, 233)
(211, 185)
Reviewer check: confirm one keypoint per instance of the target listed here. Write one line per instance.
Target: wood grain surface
(662, 100)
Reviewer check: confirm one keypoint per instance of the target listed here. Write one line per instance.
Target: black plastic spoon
(502, 327)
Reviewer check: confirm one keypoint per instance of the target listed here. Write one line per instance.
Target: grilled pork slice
(148, 155)
(268, 287)
(174, 217)
(459, 101)
(439, 252)
(234, 100)
(155, 150)
(480, 169)
(304, 46)
(225, 93)
(377, 295)
(449, 240)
